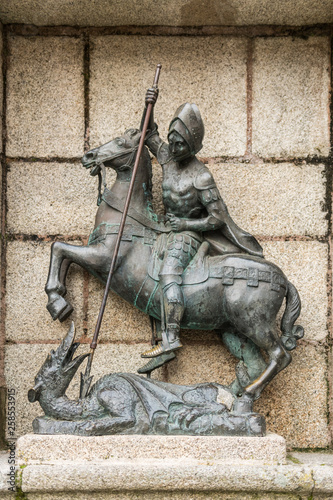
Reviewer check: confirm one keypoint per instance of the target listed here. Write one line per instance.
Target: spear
(86, 378)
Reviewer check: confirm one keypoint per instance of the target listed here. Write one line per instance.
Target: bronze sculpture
(195, 211)
(237, 294)
(125, 403)
(197, 270)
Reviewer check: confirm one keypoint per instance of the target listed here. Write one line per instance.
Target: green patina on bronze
(193, 268)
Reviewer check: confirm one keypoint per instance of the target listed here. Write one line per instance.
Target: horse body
(238, 295)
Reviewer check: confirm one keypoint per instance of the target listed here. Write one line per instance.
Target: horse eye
(120, 142)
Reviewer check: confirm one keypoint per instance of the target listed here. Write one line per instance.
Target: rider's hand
(151, 95)
(176, 223)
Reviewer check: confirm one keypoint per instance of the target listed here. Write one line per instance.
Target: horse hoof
(157, 362)
(65, 313)
(59, 309)
(243, 405)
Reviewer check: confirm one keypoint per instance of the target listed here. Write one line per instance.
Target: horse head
(58, 369)
(118, 154)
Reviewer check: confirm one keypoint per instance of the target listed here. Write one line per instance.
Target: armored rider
(194, 209)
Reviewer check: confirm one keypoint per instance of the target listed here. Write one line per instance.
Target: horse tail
(291, 332)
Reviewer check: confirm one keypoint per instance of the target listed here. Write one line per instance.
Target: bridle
(102, 170)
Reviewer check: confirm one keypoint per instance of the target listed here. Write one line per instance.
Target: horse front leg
(94, 258)
(55, 286)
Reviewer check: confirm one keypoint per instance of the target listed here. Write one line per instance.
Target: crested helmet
(188, 123)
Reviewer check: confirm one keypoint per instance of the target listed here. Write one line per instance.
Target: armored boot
(173, 303)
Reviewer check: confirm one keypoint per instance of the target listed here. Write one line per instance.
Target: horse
(237, 295)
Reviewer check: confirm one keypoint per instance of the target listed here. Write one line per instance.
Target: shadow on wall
(208, 12)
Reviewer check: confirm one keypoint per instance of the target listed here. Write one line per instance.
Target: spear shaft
(86, 378)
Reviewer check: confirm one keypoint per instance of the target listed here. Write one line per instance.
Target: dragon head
(58, 369)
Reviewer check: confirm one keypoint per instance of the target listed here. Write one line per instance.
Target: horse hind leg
(279, 359)
(251, 364)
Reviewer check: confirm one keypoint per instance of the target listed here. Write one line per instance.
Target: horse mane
(146, 162)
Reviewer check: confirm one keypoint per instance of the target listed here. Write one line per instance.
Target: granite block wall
(265, 101)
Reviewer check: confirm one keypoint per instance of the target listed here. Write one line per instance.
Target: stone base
(43, 449)
(166, 467)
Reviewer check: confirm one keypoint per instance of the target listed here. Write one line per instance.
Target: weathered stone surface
(290, 97)
(323, 478)
(39, 449)
(45, 106)
(305, 265)
(57, 198)
(22, 362)
(27, 319)
(312, 458)
(295, 403)
(4, 471)
(168, 475)
(167, 13)
(202, 363)
(61, 198)
(203, 70)
(167, 495)
(274, 200)
(121, 321)
(1, 88)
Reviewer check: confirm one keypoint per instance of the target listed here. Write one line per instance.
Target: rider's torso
(180, 197)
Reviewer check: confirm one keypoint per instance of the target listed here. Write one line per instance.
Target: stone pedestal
(33, 449)
(166, 467)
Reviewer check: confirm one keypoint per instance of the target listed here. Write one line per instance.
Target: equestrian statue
(190, 268)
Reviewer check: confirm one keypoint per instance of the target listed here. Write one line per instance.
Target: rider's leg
(174, 310)
(180, 250)
(173, 303)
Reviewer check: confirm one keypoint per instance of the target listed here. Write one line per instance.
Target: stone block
(41, 449)
(57, 198)
(5, 472)
(27, 319)
(122, 322)
(167, 13)
(45, 106)
(305, 264)
(1, 86)
(291, 97)
(165, 495)
(202, 363)
(314, 458)
(209, 71)
(22, 362)
(168, 475)
(323, 478)
(295, 402)
(274, 200)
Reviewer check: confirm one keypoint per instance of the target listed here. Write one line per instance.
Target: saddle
(202, 267)
(196, 272)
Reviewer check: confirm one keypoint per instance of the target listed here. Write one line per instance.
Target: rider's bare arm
(153, 140)
(209, 196)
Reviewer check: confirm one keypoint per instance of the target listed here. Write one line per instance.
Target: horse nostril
(88, 157)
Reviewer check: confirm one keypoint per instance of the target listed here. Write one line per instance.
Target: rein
(102, 175)
(114, 202)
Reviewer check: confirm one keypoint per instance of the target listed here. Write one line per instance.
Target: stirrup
(154, 363)
(159, 349)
